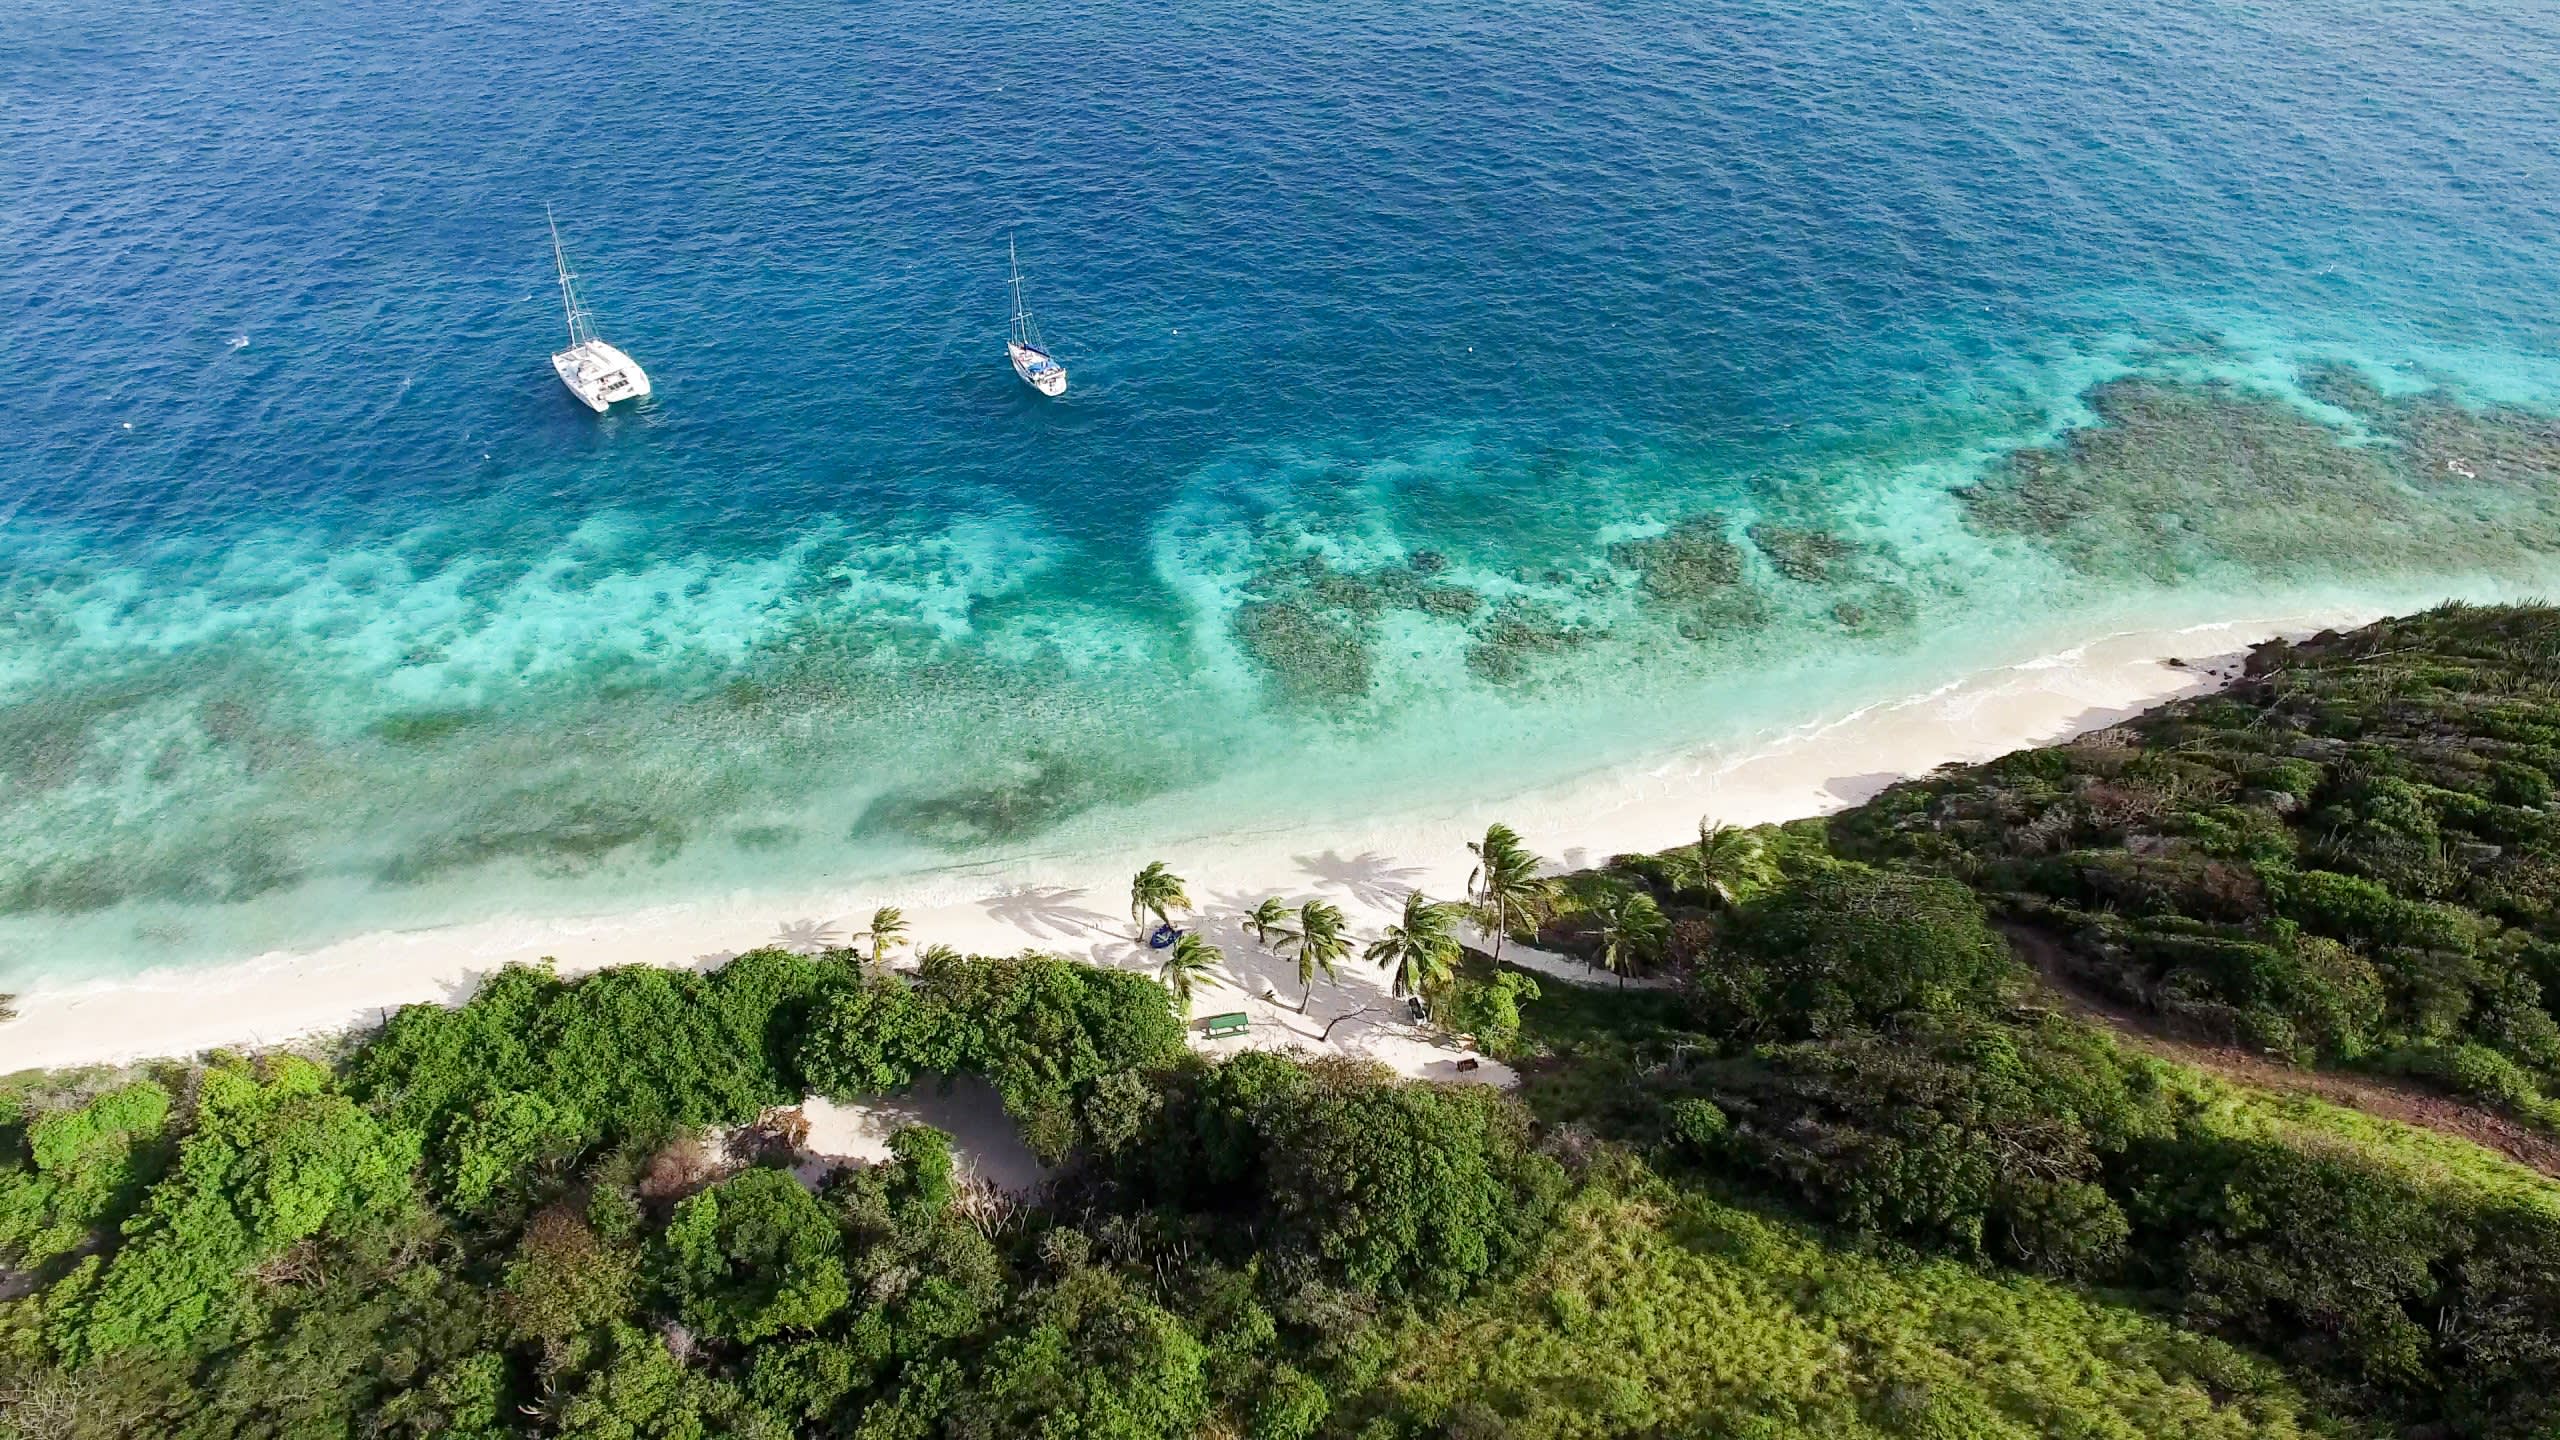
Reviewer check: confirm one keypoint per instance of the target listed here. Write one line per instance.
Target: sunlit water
(1464, 396)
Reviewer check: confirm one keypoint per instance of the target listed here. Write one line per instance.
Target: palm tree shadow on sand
(1369, 877)
(807, 937)
(1050, 912)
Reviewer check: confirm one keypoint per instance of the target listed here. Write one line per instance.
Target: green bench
(1218, 1027)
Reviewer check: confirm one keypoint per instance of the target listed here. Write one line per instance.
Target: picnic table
(1220, 1026)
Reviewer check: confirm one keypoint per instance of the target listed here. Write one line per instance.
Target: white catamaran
(1031, 360)
(594, 371)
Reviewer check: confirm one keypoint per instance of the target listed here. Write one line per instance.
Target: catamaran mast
(579, 331)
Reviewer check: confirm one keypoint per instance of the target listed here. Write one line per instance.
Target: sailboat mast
(1014, 262)
(568, 294)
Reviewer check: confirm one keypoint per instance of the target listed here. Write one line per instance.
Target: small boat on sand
(595, 372)
(1031, 359)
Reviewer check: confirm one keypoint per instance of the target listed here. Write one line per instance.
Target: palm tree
(1156, 891)
(937, 953)
(1419, 948)
(888, 930)
(1269, 918)
(1729, 863)
(1632, 928)
(1319, 944)
(1505, 887)
(1190, 958)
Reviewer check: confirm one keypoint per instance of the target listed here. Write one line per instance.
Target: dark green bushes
(624, 1055)
(1971, 1137)
(753, 1256)
(1380, 1186)
(273, 1158)
(502, 1223)
(86, 1170)
(2387, 791)
(1397, 1189)
(1847, 946)
(535, 1072)
(1043, 1031)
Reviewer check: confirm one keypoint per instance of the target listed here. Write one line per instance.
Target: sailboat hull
(1037, 369)
(599, 375)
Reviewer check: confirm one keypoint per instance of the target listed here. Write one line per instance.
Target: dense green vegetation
(2352, 856)
(506, 1219)
(2342, 860)
(1850, 1175)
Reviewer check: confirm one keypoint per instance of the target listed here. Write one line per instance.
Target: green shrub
(1847, 945)
(753, 1256)
(2285, 775)
(1092, 1359)
(1489, 1010)
(1292, 1406)
(866, 1037)
(274, 1158)
(2360, 911)
(1401, 1189)
(86, 1171)
(507, 1135)
(1042, 1030)
(2479, 1071)
(635, 1053)
(1697, 1126)
(564, 1279)
(2514, 784)
(2319, 1255)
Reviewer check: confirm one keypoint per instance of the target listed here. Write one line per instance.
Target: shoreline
(1079, 910)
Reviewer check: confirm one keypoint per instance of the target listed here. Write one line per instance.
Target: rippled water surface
(1463, 396)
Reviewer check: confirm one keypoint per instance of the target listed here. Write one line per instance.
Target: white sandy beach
(1082, 912)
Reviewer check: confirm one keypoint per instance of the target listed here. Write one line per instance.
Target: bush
(865, 1037)
(634, 1053)
(565, 1279)
(1489, 1010)
(87, 1169)
(2361, 911)
(1042, 1030)
(1291, 1407)
(509, 1134)
(2478, 1071)
(1092, 1360)
(1967, 1136)
(1697, 1126)
(2317, 1255)
(753, 1256)
(275, 1157)
(1846, 945)
(2522, 785)
(1401, 1189)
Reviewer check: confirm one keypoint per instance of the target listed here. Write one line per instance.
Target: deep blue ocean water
(324, 608)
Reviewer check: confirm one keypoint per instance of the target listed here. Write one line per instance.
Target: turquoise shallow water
(1464, 397)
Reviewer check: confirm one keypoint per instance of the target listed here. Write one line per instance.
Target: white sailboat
(595, 372)
(1031, 360)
